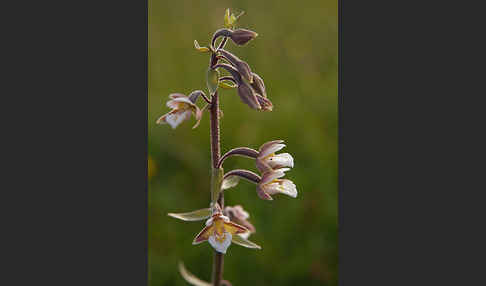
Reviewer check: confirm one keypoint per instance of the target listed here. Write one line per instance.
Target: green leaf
(237, 239)
(227, 19)
(212, 80)
(190, 278)
(230, 182)
(192, 216)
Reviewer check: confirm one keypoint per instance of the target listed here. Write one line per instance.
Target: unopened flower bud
(258, 85)
(242, 67)
(265, 103)
(242, 36)
(248, 97)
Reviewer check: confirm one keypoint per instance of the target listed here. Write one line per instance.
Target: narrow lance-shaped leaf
(237, 239)
(192, 216)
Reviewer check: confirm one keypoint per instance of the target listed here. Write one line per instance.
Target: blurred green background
(296, 53)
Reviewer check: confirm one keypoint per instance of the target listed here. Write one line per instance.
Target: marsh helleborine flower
(267, 160)
(219, 231)
(271, 184)
(182, 108)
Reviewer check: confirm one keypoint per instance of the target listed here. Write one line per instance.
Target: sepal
(238, 239)
(230, 182)
(196, 215)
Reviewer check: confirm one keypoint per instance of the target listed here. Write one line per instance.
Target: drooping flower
(238, 215)
(271, 184)
(182, 108)
(267, 160)
(219, 231)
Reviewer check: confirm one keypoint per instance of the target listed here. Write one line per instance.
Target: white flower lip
(284, 186)
(176, 118)
(220, 246)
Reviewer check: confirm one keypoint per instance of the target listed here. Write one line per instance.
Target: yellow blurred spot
(199, 48)
(152, 168)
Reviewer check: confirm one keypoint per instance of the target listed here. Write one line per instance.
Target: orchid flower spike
(219, 231)
(182, 107)
(271, 184)
(238, 215)
(267, 160)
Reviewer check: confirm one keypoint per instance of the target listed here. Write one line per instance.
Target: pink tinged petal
(280, 161)
(176, 95)
(172, 104)
(271, 149)
(272, 175)
(177, 117)
(262, 166)
(240, 212)
(262, 194)
(269, 143)
(220, 246)
(203, 235)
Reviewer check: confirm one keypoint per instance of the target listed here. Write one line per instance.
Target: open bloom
(182, 107)
(238, 215)
(271, 184)
(267, 160)
(219, 231)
